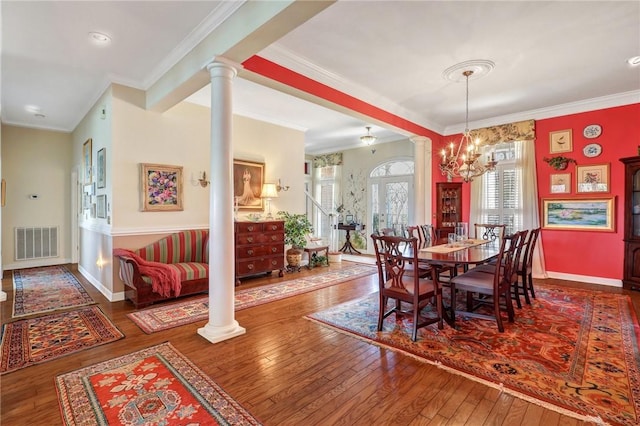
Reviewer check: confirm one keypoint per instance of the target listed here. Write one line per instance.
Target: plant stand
(313, 251)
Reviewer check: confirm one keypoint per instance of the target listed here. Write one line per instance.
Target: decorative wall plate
(592, 131)
(592, 150)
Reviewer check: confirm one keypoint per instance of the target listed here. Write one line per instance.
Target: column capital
(419, 139)
(223, 67)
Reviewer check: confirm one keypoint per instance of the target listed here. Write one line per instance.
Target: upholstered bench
(176, 265)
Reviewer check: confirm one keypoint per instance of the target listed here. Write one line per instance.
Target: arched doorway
(391, 200)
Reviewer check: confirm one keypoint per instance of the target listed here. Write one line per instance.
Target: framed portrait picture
(592, 178)
(560, 141)
(86, 162)
(248, 178)
(101, 206)
(161, 187)
(583, 214)
(561, 183)
(101, 164)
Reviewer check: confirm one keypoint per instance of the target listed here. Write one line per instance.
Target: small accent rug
(33, 341)
(46, 289)
(572, 351)
(154, 386)
(167, 316)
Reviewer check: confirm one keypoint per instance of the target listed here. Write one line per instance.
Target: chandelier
(369, 139)
(464, 162)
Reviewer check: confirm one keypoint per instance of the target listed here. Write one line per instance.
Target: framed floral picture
(161, 187)
(582, 214)
(86, 162)
(592, 178)
(101, 164)
(560, 141)
(560, 183)
(248, 178)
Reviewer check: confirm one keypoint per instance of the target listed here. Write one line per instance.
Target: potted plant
(559, 162)
(296, 229)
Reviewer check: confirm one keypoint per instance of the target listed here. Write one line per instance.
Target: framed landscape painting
(248, 178)
(585, 214)
(161, 187)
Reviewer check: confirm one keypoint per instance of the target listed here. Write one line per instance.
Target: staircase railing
(325, 223)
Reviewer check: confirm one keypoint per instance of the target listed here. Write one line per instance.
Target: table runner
(446, 248)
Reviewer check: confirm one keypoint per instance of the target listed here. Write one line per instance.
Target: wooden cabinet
(631, 276)
(448, 206)
(259, 248)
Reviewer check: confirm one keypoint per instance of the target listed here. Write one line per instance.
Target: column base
(218, 334)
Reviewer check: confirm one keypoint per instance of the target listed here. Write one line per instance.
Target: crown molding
(609, 101)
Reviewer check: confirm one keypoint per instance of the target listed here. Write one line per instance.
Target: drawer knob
(250, 252)
(274, 249)
(250, 239)
(250, 266)
(250, 228)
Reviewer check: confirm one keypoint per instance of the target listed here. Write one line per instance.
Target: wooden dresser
(259, 248)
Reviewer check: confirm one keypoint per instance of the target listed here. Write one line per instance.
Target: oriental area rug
(154, 386)
(46, 289)
(571, 351)
(33, 341)
(167, 316)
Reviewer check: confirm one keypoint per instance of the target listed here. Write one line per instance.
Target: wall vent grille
(36, 242)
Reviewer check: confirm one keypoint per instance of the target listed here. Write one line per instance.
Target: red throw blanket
(163, 278)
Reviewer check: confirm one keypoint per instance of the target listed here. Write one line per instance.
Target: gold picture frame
(592, 178)
(248, 177)
(560, 183)
(560, 141)
(86, 161)
(579, 214)
(161, 187)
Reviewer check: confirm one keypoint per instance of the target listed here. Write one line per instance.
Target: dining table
(461, 254)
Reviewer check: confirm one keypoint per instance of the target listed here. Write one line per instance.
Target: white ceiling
(551, 58)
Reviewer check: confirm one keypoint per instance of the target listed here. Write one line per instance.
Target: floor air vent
(36, 242)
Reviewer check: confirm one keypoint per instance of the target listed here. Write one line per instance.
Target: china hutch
(631, 276)
(448, 206)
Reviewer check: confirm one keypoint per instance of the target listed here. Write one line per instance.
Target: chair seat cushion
(425, 286)
(474, 279)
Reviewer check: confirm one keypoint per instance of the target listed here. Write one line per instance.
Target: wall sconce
(279, 187)
(202, 179)
(269, 191)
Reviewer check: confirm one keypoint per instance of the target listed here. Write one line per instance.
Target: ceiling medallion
(478, 67)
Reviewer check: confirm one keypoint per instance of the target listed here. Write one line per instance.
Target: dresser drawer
(262, 238)
(259, 265)
(248, 251)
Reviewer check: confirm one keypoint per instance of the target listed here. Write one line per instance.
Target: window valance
(518, 131)
(334, 159)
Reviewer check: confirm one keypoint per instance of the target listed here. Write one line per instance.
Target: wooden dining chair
(489, 231)
(423, 270)
(525, 268)
(496, 285)
(395, 283)
(490, 267)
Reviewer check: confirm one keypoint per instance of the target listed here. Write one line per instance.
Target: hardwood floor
(290, 371)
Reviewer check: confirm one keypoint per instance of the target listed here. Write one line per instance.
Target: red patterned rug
(33, 341)
(166, 316)
(154, 386)
(572, 351)
(46, 289)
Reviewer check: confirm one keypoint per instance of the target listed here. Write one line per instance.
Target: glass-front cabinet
(448, 206)
(631, 277)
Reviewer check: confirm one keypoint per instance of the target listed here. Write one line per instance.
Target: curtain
(526, 169)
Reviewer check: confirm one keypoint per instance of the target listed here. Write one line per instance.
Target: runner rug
(154, 386)
(33, 341)
(46, 289)
(167, 316)
(572, 351)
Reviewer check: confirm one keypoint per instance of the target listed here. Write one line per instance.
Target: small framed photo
(101, 206)
(560, 141)
(86, 162)
(561, 183)
(348, 219)
(101, 168)
(161, 187)
(592, 178)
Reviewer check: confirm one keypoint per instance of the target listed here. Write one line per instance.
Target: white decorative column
(421, 176)
(222, 324)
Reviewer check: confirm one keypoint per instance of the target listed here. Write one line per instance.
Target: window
(501, 195)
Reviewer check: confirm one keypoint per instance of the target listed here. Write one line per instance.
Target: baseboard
(36, 263)
(585, 279)
(111, 297)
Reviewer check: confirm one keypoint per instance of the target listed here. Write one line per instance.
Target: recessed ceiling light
(634, 61)
(32, 108)
(99, 38)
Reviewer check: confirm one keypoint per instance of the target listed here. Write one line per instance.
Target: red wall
(596, 254)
